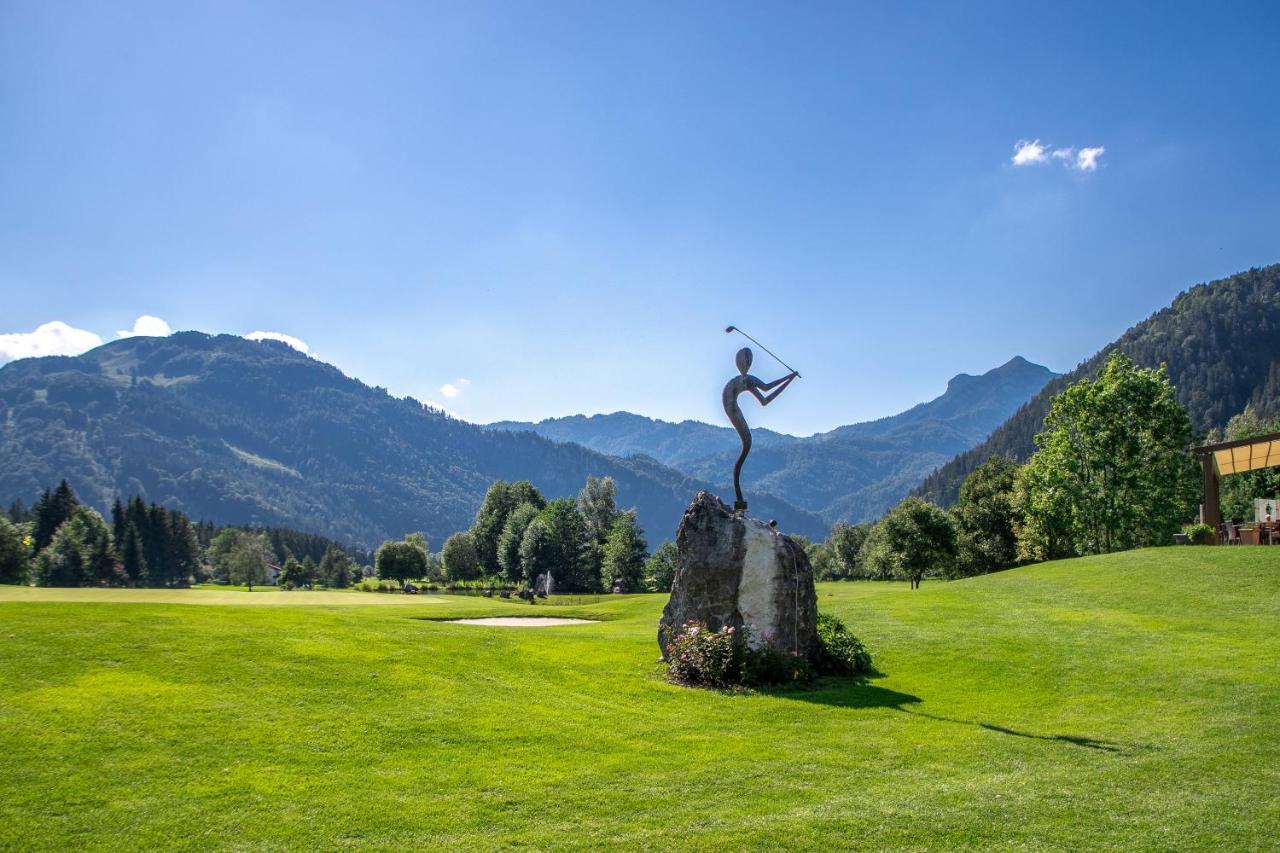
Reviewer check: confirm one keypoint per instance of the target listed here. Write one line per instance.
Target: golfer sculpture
(745, 382)
(737, 572)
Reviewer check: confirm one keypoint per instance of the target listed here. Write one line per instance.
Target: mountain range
(1220, 342)
(237, 431)
(852, 473)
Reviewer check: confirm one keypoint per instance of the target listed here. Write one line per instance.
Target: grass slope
(1131, 700)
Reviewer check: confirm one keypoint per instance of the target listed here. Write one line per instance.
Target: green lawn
(1126, 701)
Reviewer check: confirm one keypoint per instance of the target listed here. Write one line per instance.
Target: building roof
(1245, 454)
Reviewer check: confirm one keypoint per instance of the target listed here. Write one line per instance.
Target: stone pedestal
(736, 571)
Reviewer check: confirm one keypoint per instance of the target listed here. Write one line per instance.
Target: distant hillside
(1221, 342)
(852, 473)
(236, 431)
(624, 434)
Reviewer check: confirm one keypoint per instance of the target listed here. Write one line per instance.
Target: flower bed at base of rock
(700, 657)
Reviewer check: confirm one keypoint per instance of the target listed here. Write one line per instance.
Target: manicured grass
(1126, 701)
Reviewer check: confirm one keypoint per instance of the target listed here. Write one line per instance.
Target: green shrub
(378, 585)
(1200, 534)
(698, 656)
(840, 653)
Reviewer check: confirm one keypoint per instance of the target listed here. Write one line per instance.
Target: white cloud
(147, 326)
(1087, 158)
(1025, 153)
(453, 390)
(300, 346)
(53, 338)
(1082, 160)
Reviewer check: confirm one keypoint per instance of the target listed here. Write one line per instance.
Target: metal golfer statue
(745, 382)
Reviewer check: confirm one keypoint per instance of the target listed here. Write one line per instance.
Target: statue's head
(744, 360)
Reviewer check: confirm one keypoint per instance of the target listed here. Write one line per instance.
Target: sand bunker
(523, 621)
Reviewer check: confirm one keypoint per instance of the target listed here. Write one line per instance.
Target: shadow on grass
(847, 693)
(859, 693)
(1073, 740)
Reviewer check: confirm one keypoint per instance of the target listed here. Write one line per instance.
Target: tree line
(1113, 470)
(587, 544)
(60, 541)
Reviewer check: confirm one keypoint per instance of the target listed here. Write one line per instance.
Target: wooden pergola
(1234, 457)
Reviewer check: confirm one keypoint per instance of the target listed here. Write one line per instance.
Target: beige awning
(1247, 454)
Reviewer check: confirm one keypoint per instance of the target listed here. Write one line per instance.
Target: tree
(914, 538)
(817, 553)
(401, 561)
(79, 553)
(512, 535)
(51, 512)
(554, 542)
(132, 559)
(987, 518)
(660, 568)
(310, 573)
(624, 554)
(461, 562)
(337, 569)
(292, 574)
(219, 553)
(15, 561)
(598, 504)
(499, 502)
(249, 559)
(1113, 463)
(845, 544)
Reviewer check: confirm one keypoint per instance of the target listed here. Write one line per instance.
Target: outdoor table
(1249, 536)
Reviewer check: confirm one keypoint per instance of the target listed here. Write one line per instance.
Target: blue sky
(556, 208)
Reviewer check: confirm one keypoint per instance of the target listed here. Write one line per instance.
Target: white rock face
(757, 599)
(735, 571)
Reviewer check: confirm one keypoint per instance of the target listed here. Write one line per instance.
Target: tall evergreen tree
(624, 554)
(14, 558)
(53, 509)
(132, 556)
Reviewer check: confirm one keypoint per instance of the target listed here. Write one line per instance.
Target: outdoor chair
(1233, 534)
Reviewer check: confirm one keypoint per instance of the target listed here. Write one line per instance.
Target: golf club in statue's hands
(744, 381)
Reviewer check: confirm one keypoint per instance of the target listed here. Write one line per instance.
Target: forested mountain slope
(236, 431)
(852, 473)
(1220, 341)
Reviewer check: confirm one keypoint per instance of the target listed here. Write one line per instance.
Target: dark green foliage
(844, 546)
(1113, 469)
(500, 501)
(337, 570)
(839, 653)
(459, 558)
(249, 559)
(157, 546)
(987, 518)
(624, 554)
(555, 542)
(660, 568)
(19, 513)
(292, 575)
(256, 434)
(15, 558)
(79, 553)
(53, 508)
(132, 557)
(512, 535)
(1218, 342)
(913, 540)
(401, 561)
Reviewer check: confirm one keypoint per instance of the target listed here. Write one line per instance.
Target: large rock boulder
(736, 571)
